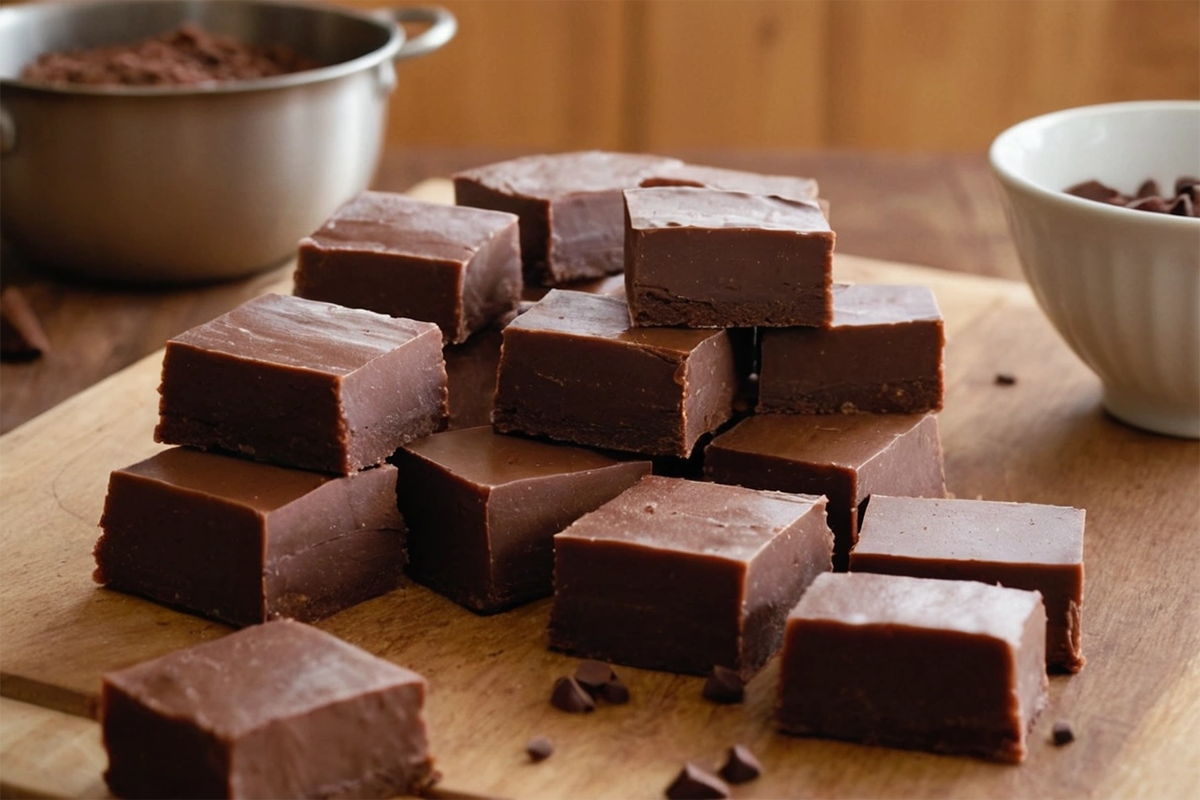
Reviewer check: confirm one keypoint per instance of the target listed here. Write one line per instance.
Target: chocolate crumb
(539, 748)
(569, 696)
(1005, 379)
(694, 783)
(740, 765)
(592, 675)
(1062, 734)
(614, 692)
(724, 686)
(21, 334)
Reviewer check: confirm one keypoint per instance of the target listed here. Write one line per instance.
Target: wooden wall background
(876, 74)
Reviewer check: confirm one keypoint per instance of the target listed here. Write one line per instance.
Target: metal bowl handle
(442, 27)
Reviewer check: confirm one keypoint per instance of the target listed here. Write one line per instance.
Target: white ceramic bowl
(1121, 286)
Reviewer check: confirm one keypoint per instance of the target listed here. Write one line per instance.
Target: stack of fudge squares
(658, 409)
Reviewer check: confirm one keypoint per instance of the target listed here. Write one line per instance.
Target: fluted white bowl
(1122, 287)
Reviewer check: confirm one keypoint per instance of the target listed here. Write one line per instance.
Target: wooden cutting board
(1135, 707)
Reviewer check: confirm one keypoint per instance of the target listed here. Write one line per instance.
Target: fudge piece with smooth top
(682, 575)
(455, 266)
(947, 666)
(736, 180)
(276, 710)
(1022, 545)
(303, 384)
(882, 354)
(482, 510)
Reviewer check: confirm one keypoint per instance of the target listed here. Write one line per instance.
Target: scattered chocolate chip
(539, 748)
(1062, 734)
(592, 675)
(724, 686)
(1182, 207)
(1094, 190)
(694, 783)
(1148, 189)
(740, 765)
(1005, 379)
(614, 692)
(21, 334)
(569, 696)
(1155, 204)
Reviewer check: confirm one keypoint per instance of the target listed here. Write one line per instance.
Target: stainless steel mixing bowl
(169, 184)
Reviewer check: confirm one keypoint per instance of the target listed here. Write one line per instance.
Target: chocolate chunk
(1148, 189)
(882, 354)
(303, 384)
(1095, 190)
(455, 266)
(569, 696)
(1005, 379)
(1062, 733)
(275, 710)
(881, 659)
(593, 674)
(738, 559)
(539, 748)
(245, 542)
(701, 258)
(21, 334)
(1182, 207)
(724, 685)
(740, 765)
(1187, 186)
(1154, 204)
(1019, 545)
(614, 692)
(694, 783)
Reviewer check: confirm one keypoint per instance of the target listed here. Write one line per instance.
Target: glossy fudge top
(253, 484)
(858, 305)
(259, 675)
(864, 598)
(847, 440)
(304, 334)
(733, 180)
(549, 177)
(687, 207)
(602, 317)
(384, 222)
(486, 458)
(706, 519)
(972, 530)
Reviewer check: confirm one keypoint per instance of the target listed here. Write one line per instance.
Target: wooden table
(936, 210)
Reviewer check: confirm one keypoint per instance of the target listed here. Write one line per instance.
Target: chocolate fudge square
(573, 369)
(483, 508)
(846, 457)
(1021, 545)
(882, 354)
(303, 384)
(458, 267)
(570, 205)
(276, 710)
(702, 258)
(682, 575)
(946, 666)
(732, 180)
(245, 542)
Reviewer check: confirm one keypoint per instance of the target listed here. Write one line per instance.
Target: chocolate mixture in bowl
(185, 56)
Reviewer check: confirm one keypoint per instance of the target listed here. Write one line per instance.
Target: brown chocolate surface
(185, 56)
(881, 354)
(703, 258)
(846, 457)
(1021, 545)
(458, 267)
(945, 666)
(482, 509)
(737, 559)
(22, 337)
(573, 369)
(570, 208)
(276, 710)
(245, 542)
(733, 180)
(304, 384)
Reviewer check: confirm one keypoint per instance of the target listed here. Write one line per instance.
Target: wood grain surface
(1135, 706)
